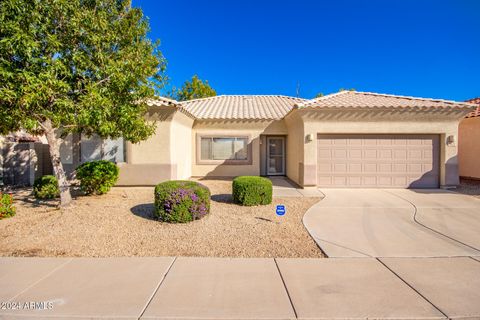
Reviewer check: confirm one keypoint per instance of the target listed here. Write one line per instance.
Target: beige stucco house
(469, 143)
(347, 139)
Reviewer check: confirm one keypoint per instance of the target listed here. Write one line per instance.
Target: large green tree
(194, 89)
(82, 66)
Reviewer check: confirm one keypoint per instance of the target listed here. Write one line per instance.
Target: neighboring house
(347, 139)
(469, 143)
(24, 157)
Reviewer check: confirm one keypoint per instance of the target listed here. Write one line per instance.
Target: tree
(82, 66)
(319, 95)
(194, 89)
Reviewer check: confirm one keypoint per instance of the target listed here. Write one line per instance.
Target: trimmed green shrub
(252, 190)
(97, 177)
(181, 201)
(46, 187)
(7, 208)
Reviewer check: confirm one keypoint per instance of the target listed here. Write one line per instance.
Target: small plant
(252, 190)
(46, 187)
(97, 177)
(7, 209)
(181, 201)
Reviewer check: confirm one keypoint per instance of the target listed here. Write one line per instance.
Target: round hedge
(181, 201)
(97, 177)
(46, 187)
(252, 190)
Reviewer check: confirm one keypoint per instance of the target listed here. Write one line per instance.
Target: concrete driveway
(395, 223)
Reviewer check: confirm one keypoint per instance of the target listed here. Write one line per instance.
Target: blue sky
(407, 47)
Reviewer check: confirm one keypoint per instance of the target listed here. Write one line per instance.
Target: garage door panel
(385, 181)
(325, 153)
(340, 167)
(325, 180)
(400, 154)
(355, 181)
(354, 167)
(385, 167)
(378, 161)
(340, 153)
(355, 153)
(370, 154)
(370, 167)
(386, 154)
(324, 167)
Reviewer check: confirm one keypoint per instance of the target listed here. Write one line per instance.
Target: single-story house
(347, 139)
(469, 143)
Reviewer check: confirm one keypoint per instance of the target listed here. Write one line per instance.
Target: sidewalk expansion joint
(156, 289)
(286, 289)
(476, 260)
(42, 278)
(411, 287)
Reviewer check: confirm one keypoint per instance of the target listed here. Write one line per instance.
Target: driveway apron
(395, 223)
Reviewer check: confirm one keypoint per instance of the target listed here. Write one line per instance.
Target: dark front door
(275, 156)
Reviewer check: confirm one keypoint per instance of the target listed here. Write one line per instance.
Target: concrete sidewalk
(222, 288)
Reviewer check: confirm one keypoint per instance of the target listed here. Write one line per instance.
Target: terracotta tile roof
(272, 107)
(355, 99)
(161, 101)
(268, 107)
(475, 113)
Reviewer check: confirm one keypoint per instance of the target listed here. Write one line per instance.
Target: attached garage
(378, 160)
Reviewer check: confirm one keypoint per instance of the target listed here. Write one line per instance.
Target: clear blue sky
(407, 47)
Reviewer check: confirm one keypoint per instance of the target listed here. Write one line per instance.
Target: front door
(275, 156)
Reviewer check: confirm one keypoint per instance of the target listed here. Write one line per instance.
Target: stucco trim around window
(198, 150)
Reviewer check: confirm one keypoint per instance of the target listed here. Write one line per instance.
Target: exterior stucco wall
(252, 129)
(469, 147)
(181, 144)
(151, 161)
(443, 123)
(295, 145)
(157, 148)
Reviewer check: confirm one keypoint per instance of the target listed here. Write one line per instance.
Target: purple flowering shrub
(181, 201)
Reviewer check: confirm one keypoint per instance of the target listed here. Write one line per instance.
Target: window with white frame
(224, 148)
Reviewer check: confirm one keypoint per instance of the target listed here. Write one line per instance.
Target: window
(224, 148)
(96, 148)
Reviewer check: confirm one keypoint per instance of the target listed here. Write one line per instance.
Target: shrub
(252, 191)
(97, 177)
(46, 187)
(6, 206)
(181, 201)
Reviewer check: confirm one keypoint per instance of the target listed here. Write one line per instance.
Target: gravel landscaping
(120, 223)
(469, 187)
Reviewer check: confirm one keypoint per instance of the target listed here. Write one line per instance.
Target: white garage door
(395, 161)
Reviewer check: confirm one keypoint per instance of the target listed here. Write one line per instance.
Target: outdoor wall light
(309, 137)
(450, 141)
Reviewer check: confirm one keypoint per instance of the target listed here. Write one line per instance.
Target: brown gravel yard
(469, 187)
(120, 224)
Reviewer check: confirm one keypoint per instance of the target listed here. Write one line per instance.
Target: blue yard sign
(281, 210)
